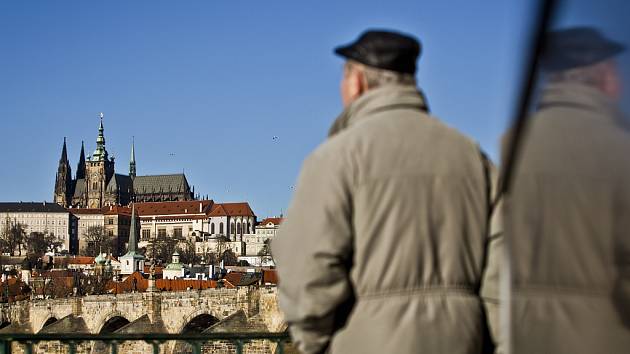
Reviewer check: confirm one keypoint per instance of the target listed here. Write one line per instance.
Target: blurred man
(384, 244)
(567, 216)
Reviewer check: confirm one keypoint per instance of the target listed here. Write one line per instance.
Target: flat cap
(575, 47)
(384, 50)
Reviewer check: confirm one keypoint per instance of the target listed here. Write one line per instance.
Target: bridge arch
(112, 322)
(197, 320)
(50, 320)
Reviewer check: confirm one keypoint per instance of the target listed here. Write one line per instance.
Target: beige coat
(384, 244)
(567, 221)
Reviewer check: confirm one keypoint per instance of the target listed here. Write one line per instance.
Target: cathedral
(96, 184)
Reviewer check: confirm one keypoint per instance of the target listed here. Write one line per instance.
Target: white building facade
(41, 217)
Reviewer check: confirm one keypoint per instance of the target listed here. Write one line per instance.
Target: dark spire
(132, 162)
(63, 180)
(64, 152)
(81, 165)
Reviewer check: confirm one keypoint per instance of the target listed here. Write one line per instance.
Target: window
(161, 232)
(146, 234)
(110, 221)
(177, 232)
(212, 229)
(238, 228)
(221, 228)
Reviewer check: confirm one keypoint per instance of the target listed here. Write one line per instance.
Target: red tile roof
(275, 221)
(232, 209)
(117, 210)
(161, 284)
(173, 208)
(234, 278)
(270, 276)
(78, 260)
(84, 211)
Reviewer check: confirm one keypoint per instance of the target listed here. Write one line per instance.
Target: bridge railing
(28, 342)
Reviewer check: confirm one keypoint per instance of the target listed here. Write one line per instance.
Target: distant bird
(171, 154)
(275, 138)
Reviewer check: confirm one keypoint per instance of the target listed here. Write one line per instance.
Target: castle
(96, 183)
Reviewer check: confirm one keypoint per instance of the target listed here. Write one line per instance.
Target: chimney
(200, 207)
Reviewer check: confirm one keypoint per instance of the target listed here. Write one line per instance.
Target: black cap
(384, 50)
(575, 47)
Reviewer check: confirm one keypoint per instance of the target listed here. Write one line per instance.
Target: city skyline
(234, 95)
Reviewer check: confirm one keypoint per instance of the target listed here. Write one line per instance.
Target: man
(384, 243)
(567, 215)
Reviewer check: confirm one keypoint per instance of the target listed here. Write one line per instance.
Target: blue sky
(204, 86)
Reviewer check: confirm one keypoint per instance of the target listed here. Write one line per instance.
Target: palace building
(96, 183)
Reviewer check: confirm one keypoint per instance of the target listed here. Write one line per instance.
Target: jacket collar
(578, 95)
(376, 100)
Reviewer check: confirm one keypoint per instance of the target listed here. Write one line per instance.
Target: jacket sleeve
(313, 252)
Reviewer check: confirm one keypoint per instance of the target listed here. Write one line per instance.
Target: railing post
(5, 347)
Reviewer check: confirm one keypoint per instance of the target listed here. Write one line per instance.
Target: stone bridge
(193, 311)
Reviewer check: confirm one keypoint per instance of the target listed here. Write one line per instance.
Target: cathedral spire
(81, 165)
(64, 152)
(132, 161)
(100, 153)
(63, 180)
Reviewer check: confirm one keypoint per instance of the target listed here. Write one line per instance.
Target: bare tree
(38, 243)
(188, 253)
(265, 252)
(97, 241)
(161, 248)
(13, 237)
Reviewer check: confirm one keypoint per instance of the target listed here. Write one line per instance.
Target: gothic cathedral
(96, 184)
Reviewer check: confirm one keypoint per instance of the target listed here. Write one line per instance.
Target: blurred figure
(567, 217)
(383, 248)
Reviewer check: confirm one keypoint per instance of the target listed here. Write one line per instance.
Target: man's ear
(611, 83)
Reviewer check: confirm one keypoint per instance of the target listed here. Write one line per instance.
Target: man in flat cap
(383, 247)
(567, 215)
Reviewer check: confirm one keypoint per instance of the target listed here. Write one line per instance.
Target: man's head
(584, 56)
(375, 59)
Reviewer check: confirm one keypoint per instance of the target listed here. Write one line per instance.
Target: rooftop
(31, 207)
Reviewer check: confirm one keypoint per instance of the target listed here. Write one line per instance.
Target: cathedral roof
(119, 183)
(160, 183)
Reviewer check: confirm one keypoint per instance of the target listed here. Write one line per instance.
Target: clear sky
(204, 86)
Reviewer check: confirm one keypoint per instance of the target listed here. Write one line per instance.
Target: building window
(221, 228)
(177, 232)
(146, 234)
(161, 232)
(212, 229)
(238, 228)
(110, 221)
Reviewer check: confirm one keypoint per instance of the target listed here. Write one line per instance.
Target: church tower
(63, 181)
(98, 172)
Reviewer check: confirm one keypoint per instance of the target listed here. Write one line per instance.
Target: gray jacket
(567, 224)
(385, 240)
